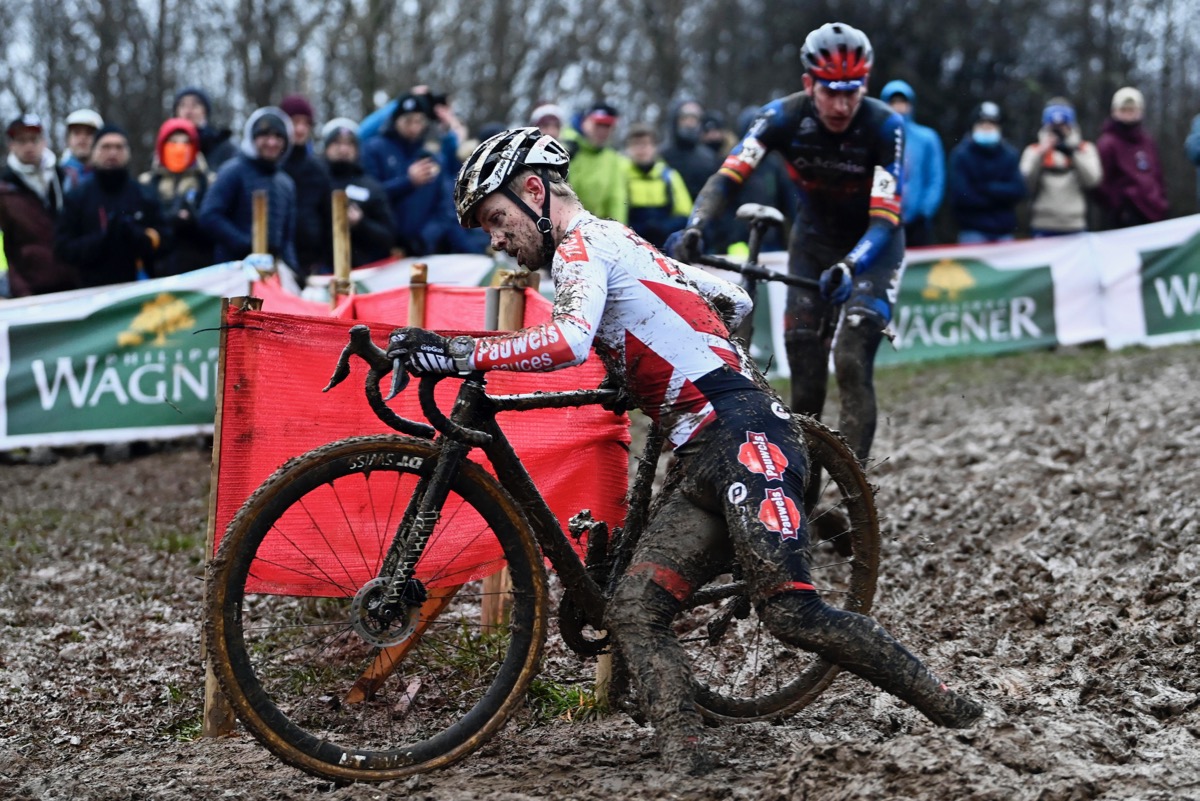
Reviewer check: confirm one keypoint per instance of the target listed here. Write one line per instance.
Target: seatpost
(749, 281)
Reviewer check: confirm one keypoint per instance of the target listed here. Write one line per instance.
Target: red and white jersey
(647, 315)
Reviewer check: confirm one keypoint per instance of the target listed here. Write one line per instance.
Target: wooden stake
(218, 715)
(340, 285)
(258, 229)
(418, 278)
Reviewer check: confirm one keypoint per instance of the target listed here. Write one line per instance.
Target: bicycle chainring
(571, 623)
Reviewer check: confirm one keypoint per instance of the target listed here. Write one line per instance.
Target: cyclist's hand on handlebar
(425, 353)
(685, 245)
(836, 283)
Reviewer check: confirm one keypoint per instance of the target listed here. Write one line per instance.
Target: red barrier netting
(275, 368)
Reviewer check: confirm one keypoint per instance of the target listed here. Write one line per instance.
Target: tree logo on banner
(961, 307)
(158, 318)
(133, 363)
(1171, 288)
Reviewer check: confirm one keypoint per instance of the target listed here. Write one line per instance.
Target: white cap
(85, 116)
(547, 110)
(337, 124)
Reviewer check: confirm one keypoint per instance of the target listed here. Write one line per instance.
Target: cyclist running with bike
(845, 152)
(662, 329)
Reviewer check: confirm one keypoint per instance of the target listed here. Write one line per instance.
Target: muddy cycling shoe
(686, 756)
(947, 708)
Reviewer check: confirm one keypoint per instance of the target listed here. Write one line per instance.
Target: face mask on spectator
(986, 138)
(178, 156)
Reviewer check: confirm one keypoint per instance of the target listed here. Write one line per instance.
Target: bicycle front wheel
(299, 651)
(742, 671)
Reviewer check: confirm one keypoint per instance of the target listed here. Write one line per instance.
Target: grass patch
(575, 703)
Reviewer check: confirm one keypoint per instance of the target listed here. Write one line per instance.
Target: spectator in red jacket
(31, 197)
(1132, 191)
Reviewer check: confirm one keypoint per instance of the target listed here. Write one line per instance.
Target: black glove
(427, 353)
(685, 245)
(619, 403)
(836, 283)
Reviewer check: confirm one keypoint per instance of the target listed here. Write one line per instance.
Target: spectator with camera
(449, 135)
(1060, 168)
(179, 179)
(417, 185)
(110, 228)
(367, 209)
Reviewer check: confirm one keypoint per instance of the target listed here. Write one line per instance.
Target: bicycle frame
(472, 424)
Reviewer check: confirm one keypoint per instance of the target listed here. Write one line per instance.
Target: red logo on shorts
(779, 514)
(760, 455)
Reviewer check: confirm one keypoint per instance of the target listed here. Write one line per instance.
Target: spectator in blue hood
(419, 190)
(684, 152)
(924, 167)
(985, 181)
(193, 105)
(227, 213)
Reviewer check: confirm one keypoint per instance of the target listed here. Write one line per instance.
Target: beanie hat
(268, 124)
(1058, 112)
(197, 93)
(1127, 96)
(338, 126)
(109, 128)
(297, 106)
(26, 122)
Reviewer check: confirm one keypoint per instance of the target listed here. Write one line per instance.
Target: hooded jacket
(227, 211)
(1133, 176)
(27, 222)
(985, 186)
(924, 162)
(180, 196)
(659, 203)
(685, 153)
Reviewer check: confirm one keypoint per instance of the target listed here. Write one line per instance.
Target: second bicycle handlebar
(752, 270)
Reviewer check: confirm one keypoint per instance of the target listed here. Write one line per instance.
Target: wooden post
(218, 715)
(418, 279)
(340, 285)
(510, 315)
(258, 229)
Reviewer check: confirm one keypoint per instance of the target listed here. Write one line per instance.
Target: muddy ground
(1042, 550)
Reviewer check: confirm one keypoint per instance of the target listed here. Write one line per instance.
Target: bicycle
(393, 670)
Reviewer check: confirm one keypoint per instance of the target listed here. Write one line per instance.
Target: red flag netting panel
(273, 409)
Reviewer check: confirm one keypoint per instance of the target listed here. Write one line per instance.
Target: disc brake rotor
(375, 630)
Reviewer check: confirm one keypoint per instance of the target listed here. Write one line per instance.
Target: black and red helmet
(838, 55)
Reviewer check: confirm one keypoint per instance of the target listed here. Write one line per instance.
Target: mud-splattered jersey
(649, 317)
(850, 183)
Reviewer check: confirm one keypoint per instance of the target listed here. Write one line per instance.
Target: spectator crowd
(88, 218)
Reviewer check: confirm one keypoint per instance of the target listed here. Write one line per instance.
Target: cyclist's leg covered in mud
(867, 312)
(753, 471)
(682, 547)
(807, 344)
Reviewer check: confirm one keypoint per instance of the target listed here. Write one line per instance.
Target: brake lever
(400, 378)
(343, 368)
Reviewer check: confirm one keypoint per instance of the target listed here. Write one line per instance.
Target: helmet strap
(543, 223)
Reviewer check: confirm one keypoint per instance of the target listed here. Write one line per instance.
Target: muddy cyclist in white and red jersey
(737, 483)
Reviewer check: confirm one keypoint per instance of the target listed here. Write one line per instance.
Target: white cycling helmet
(497, 160)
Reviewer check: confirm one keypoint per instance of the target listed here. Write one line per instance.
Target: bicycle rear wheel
(741, 670)
(316, 678)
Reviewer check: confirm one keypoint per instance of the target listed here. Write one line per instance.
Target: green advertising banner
(138, 361)
(1171, 289)
(964, 307)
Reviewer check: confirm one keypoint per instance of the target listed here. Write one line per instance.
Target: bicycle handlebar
(379, 365)
(755, 271)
